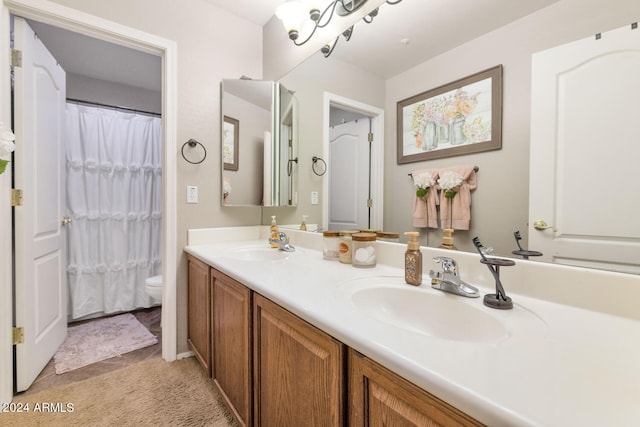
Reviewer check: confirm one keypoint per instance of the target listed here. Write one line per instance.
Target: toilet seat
(153, 287)
(154, 281)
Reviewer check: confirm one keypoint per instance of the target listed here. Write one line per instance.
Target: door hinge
(370, 136)
(16, 197)
(369, 203)
(16, 58)
(18, 335)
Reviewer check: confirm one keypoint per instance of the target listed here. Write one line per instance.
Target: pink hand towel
(461, 203)
(424, 211)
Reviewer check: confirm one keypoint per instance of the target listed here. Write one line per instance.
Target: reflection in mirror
(496, 214)
(258, 135)
(285, 159)
(230, 132)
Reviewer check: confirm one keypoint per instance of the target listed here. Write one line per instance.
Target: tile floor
(150, 318)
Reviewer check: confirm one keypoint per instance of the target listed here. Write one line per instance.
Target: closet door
(585, 151)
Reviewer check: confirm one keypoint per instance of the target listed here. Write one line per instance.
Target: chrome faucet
(283, 242)
(448, 279)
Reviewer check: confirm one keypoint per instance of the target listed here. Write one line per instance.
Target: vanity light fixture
(295, 13)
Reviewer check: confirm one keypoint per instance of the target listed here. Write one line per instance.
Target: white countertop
(554, 365)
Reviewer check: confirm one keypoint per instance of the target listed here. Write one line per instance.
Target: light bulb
(291, 13)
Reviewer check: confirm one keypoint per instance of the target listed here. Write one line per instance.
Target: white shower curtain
(114, 198)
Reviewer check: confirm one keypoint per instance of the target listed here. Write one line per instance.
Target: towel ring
(315, 160)
(192, 143)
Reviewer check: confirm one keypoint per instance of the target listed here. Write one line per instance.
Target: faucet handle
(449, 265)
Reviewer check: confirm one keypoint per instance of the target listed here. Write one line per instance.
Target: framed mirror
(258, 143)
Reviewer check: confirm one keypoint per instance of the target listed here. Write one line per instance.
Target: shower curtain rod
(115, 107)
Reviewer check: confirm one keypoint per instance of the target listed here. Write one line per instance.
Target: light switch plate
(192, 194)
(314, 197)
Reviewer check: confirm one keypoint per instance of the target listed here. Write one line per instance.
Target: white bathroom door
(40, 254)
(585, 152)
(349, 176)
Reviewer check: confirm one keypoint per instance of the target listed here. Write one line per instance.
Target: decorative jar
(363, 250)
(330, 245)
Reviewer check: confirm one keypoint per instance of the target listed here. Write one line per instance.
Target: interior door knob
(66, 220)
(542, 225)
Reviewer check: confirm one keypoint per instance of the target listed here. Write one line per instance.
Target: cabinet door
(232, 344)
(199, 312)
(298, 371)
(378, 397)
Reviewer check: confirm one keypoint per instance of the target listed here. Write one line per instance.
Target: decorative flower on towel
(448, 181)
(423, 181)
(6, 146)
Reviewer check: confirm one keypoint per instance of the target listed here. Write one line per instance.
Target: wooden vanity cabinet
(274, 369)
(231, 302)
(379, 397)
(199, 312)
(298, 370)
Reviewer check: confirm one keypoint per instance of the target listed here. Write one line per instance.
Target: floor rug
(101, 339)
(148, 393)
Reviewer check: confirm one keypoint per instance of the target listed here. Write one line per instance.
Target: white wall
(207, 52)
(500, 203)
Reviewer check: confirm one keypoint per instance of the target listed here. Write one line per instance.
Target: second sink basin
(433, 313)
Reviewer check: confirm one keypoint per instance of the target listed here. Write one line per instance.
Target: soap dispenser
(303, 224)
(274, 231)
(413, 260)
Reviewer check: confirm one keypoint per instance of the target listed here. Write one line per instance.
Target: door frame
(83, 23)
(377, 153)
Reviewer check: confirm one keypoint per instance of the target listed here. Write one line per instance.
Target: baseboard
(185, 355)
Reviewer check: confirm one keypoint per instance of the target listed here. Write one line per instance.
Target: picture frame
(461, 117)
(230, 143)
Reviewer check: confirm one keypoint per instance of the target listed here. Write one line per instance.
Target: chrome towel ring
(192, 143)
(322, 166)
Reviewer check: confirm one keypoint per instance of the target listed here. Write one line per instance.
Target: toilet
(153, 288)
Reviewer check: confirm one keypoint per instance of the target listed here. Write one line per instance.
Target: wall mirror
(258, 143)
(494, 226)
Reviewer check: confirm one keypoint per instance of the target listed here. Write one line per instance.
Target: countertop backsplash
(598, 290)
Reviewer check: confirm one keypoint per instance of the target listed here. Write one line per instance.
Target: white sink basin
(434, 313)
(257, 253)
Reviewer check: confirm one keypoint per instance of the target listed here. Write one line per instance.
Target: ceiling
(408, 33)
(88, 56)
(401, 36)
(256, 11)
(413, 31)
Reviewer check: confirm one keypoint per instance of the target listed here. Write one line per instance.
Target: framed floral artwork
(461, 117)
(230, 133)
